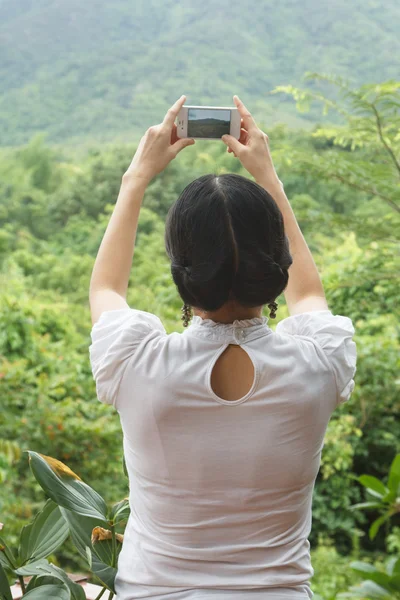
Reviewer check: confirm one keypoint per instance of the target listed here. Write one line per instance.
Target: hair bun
(206, 285)
(259, 281)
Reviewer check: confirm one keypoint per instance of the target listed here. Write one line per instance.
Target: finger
(181, 144)
(174, 134)
(244, 136)
(233, 143)
(243, 139)
(248, 120)
(172, 113)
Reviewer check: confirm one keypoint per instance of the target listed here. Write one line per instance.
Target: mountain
(104, 69)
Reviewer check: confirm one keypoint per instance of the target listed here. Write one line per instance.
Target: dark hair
(225, 239)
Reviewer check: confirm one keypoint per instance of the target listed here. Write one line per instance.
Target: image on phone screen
(208, 123)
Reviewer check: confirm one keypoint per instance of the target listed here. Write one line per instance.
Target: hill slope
(102, 68)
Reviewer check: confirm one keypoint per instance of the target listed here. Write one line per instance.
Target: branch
(357, 186)
(384, 142)
(367, 190)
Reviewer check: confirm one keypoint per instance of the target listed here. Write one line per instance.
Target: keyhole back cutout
(233, 374)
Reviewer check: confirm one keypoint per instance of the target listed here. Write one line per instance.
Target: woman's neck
(229, 312)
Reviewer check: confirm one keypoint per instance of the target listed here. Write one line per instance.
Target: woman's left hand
(159, 145)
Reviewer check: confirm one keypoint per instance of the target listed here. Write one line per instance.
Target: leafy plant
(362, 152)
(378, 584)
(73, 508)
(386, 497)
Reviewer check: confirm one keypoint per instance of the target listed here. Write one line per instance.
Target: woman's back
(221, 489)
(222, 448)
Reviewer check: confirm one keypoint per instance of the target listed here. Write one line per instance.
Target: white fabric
(220, 491)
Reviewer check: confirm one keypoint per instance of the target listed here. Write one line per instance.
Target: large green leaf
(66, 488)
(373, 591)
(389, 497)
(366, 505)
(120, 511)
(48, 592)
(76, 590)
(392, 564)
(5, 591)
(367, 590)
(104, 572)
(100, 553)
(362, 567)
(42, 537)
(39, 580)
(373, 530)
(42, 568)
(81, 533)
(37, 567)
(371, 573)
(374, 484)
(394, 475)
(396, 567)
(395, 583)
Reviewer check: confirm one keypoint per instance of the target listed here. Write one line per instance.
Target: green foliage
(66, 488)
(364, 153)
(386, 497)
(46, 389)
(48, 592)
(79, 511)
(82, 69)
(331, 570)
(38, 540)
(379, 581)
(5, 590)
(54, 208)
(377, 584)
(42, 537)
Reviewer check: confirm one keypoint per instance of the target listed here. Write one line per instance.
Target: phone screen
(208, 122)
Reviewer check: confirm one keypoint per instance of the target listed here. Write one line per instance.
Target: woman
(223, 424)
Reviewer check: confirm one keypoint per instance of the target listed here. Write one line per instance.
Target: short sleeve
(334, 335)
(115, 338)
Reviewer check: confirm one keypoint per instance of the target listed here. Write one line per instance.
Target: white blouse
(220, 491)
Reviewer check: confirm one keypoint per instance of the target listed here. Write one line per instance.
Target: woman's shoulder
(332, 336)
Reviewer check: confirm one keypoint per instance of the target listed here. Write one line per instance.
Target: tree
(362, 151)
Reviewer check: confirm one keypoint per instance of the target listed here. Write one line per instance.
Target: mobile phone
(208, 122)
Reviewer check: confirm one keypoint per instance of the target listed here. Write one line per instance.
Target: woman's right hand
(252, 149)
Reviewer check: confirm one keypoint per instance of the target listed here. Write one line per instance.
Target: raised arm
(304, 291)
(109, 282)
